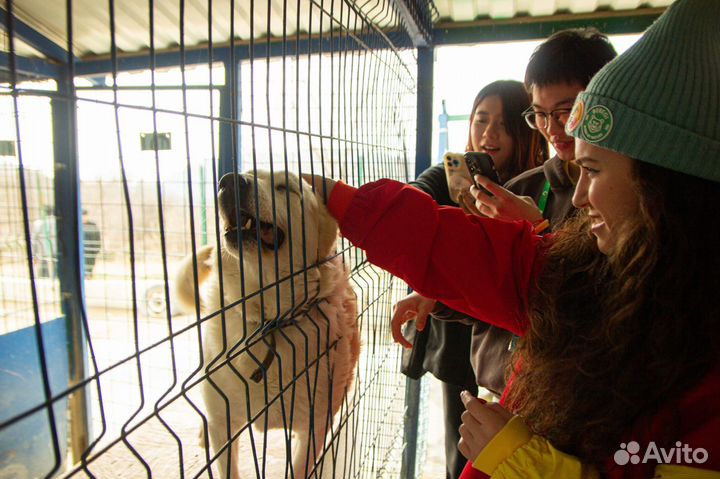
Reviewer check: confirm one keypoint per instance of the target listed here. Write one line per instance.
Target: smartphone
(461, 168)
(457, 174)
(481, 163)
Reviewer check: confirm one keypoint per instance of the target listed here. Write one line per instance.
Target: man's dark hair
(569, 56)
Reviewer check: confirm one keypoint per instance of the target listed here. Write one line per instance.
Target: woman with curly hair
(617, 373)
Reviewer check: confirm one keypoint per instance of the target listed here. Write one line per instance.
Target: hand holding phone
(460, 171)
(481, 164)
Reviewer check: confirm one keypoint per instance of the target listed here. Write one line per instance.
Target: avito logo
(680, 454)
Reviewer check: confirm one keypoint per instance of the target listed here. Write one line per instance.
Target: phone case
(457, 174)
(481, 164)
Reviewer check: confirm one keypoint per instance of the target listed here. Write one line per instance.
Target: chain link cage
(119, 119)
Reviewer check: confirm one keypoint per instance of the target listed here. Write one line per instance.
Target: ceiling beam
(240, 50)
(27, 68)
(417, 18)
(444, 33)
(533, 28)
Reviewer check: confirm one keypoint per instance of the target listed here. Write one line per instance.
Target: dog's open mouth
(249, 230)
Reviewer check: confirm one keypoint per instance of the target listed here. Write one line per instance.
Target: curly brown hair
(614, 337)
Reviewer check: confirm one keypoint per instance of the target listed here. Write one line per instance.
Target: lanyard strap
(544, 197)
(541, 205)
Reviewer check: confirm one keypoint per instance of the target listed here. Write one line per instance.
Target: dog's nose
(229, 180)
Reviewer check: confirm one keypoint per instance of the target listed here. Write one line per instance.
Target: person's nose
(580, 197)
(491, 132)
(555, 127)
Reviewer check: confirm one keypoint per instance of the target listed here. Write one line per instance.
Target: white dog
(288, 340)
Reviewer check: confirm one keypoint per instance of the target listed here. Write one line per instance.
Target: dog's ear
(328, 232)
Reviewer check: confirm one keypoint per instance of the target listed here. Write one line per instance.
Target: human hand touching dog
(480, 423)
(322, 186)
(503, 204)
(412, 306)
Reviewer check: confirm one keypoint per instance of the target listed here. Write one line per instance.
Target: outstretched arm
(479, 266)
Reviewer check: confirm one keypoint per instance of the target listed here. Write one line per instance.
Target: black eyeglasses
(538, 120)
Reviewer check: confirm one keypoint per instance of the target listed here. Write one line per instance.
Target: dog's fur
(313, 357)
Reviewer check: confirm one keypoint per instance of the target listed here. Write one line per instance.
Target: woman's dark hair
(612, 338)
(529, 147)
(569, 56)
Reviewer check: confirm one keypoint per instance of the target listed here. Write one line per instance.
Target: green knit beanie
(659, 102)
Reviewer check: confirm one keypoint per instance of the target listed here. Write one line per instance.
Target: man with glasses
(559, 69)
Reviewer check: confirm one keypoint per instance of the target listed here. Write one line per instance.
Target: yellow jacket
(515, 452)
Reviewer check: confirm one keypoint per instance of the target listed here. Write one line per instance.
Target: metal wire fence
(114, 142)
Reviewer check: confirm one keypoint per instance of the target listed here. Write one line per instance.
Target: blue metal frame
(534, 28)
(238, 51)
(423, 155)
(33, 67)
(229, 134)
(423, 141)
(70, 252)
(411, 419)
(67, 204)
(515, 29)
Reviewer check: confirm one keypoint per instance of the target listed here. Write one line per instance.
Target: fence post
(411, 419)
(423, 141)
(423, 153)
(70, 254)
(229, 134)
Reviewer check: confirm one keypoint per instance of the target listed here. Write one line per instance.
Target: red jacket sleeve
(480, 266)
(469, 472)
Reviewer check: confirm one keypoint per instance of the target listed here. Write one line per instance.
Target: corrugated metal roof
(469, 10)
(91, 19)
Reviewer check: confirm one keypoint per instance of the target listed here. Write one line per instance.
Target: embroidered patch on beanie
(657, 102)
(575, 117)
(596, 124)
